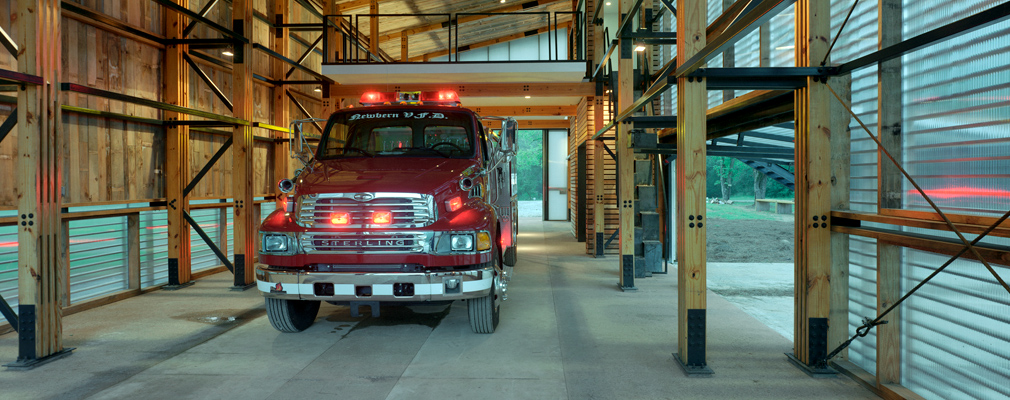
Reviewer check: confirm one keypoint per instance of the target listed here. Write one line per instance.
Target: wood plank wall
(109, 159)
(612, 218)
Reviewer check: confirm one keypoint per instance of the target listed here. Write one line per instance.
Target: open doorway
(530, 172)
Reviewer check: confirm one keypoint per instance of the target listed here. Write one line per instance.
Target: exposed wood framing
(598, 233)
(626, 157)
(373, 25)
(513, 111)
(478, 89)
(516, 7)
(692, 103)
(491, 42)
(281, 114)
(177, 151)
(244, 236)
(41, 289)
(838, 330)
(889, 181)
(813, 187)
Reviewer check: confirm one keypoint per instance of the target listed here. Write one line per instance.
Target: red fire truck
(406, 200)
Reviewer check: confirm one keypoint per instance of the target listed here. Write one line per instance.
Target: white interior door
(556, 182)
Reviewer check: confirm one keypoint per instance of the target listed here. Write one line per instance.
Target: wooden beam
(244, 236)
(838, 329)
(404, 50)
(373, 25)
(692, 105)
(490, 42)
(476, 89)
(281, 108)
(41, 262)
(513, 111)
(813, 187)
(992, 253)
(889, 191)
(177, 170)
(515, 7)
(626, 159)
(536, 124)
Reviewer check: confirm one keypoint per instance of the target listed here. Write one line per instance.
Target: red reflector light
(454, 204)
(447, 95)
(340, 219)
(382, 217)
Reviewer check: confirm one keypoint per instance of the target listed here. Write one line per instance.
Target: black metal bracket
(761, 78)
(8, 76)
(73, 87)
(198, 18)
(627, 273)
(210, 243)
(599, 244)
(612, 237)
(607, 149)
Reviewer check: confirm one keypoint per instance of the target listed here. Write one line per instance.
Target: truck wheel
(291, 315)
(484, 311)
(510, 257)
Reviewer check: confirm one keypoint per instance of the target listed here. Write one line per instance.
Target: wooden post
(889, 183)
(40, 243)
(335, 50)
(176, 82)
(281, 104)
(373, 25)
(626, 157)
(244, 237)
(813, 190)
(692, 105)
(133, 251)
(404, 53)
(838, 325)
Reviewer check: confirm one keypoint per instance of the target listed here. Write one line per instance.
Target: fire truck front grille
(357, 210)
(365, 243)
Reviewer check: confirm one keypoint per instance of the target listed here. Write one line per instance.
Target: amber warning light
(442, 98)
(382, 217)
(340, 219)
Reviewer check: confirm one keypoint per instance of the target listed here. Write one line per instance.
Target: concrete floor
(566, 332)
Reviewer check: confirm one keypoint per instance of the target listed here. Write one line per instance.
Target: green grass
(737, 211)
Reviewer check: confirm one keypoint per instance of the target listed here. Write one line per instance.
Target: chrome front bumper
(385, 287)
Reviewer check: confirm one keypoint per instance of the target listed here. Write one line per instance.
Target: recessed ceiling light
(527, 97)
(639, 47)
(608, 3)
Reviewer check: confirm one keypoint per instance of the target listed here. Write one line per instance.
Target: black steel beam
(203, 13)
(196, 17)
(8, 124)
(210, 82)
(9, 43)
(293, 63)
(17, 77)
(949, 31)
(8, 313)
(303, 110)
(206, 168)
(626, 24)
(305, 55)
(605, 60)
(596, 13)
(612, 237)
(607, 148)
(108, 21)
(210, 243)
(73, 87)
(202, 123)
(763, 78)
(654, 122)
(201, 43)
(300, 27)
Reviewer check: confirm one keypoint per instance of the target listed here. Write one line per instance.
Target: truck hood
(386, 174)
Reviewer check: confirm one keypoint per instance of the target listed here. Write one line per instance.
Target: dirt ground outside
(751, 240)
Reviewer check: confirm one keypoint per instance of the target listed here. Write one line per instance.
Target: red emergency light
(454, 204)
(442, 98)
(340, 218)
(382, 217)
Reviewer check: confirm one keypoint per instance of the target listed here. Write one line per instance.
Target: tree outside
(729, 177)
(530, 165)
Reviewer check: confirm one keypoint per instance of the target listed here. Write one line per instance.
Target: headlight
(462, 242)
(275, 243)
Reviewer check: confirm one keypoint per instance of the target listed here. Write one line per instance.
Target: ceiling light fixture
(318, 89)
(639, 47)
(527, 97)
(227, 53)
(608, 3)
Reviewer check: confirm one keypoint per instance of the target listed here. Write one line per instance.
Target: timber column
(281, 117)
(244, 237)
(626, 156)
(813, 191)
(176, 82)
(692, 106)
(40, 247)
(599, 206)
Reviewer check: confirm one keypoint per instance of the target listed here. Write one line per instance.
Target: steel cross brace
(213, 247)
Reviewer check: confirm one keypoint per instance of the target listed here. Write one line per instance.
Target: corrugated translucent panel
(863, 300)
(747, 54)
(955, 329)
(957, 121)
(202, 257)
(923, 16)
(863, 169)
(153, 248)
(9, 266)
(230, 214)
(860, 35)
(782, 38)
(714, 10)
(98, 257)
(715, 96)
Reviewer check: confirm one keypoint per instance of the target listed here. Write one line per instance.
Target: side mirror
(509, 128)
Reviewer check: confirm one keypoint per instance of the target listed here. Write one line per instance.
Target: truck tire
(510, 257)
(483, 312)
(291, 315)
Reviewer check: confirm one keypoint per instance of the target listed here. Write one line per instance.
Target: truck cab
(408, 199)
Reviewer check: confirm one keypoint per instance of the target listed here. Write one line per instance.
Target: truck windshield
(393, 133)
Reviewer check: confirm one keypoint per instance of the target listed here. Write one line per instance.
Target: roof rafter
(491, 42)
(465, 19)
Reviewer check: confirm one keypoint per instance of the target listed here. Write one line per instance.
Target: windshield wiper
(429, 149)
(358, 150)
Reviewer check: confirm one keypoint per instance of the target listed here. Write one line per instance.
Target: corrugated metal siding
(153, 248)
(9, 266)
(98, 257)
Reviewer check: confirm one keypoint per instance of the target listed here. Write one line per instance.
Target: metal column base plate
(814, 372)
(693, 370)
(179, 286)
(242, 288)
(30, 364)
(627, 288)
